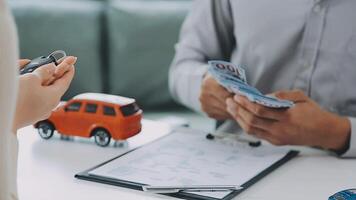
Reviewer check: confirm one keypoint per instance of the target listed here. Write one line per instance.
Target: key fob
(56, 57)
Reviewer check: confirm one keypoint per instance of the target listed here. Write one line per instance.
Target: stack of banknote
(233, 78)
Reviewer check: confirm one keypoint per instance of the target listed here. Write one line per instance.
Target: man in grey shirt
(300, 50)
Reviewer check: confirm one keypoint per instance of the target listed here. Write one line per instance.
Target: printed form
(188, 158)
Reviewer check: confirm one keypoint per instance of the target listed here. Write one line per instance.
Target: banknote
(233, 78)
(226, 69)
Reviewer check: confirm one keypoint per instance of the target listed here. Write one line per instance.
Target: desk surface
(47, 169)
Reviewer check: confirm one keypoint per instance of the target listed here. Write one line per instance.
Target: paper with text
(188, 158)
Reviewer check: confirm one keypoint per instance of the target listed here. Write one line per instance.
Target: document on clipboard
(186, 157)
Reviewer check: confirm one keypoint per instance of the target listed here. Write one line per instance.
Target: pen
(196, 188)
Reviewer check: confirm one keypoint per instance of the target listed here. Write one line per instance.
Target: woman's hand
(303, 124)
(40, 91)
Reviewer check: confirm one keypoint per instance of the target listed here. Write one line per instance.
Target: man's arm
(198, 43)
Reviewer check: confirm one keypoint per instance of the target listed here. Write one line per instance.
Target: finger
(64, 66)
(248, 128)
(45, 73)
(215, 110)
(70, 60)
(248, 117)
(257, 132)
(222, 93)
(265, 135)
(212, 85)
(268, 137)
(23, 62)
(61, 70)
(209, 101)
(259, 110)
(220, 102)
(294, 95)
(61, 85)
(219, 114)
(212, 100)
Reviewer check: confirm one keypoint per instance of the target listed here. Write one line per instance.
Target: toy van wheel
(45, 130)
(102, 137)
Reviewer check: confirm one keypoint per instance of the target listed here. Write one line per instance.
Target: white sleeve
(8, 93)
(198, 43)
(351, 152)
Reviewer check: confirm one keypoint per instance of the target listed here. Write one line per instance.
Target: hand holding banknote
(233, 79)
(306, 123)
(213, 99)
(282, 118)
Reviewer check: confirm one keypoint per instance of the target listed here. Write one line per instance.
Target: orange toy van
(101, 116)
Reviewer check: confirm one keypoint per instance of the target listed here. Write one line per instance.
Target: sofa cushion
(142, 36)
(74, 26)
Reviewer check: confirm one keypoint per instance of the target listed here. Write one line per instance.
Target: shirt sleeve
(197, 44)
(351, 151)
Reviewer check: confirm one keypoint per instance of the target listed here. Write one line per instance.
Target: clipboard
(88, 175)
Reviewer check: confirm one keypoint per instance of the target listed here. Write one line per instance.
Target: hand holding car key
(56, 57)
(42, 83)
(233, 78)
(60, 65)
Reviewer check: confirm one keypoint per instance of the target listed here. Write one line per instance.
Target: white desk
(47, 169)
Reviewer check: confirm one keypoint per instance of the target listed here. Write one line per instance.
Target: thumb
(294, 95)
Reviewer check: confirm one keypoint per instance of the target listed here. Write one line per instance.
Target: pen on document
(198, 188)
(211, 136)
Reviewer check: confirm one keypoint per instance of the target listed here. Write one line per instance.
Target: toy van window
(74, 106)
(129, 109)
(108, 110)
(91, 108)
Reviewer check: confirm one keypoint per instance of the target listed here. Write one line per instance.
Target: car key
(56, 57)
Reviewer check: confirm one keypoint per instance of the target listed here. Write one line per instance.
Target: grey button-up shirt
(283, 44)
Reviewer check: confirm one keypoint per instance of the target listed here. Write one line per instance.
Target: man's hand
(40, 91)
(213, 99)
(303, 124)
